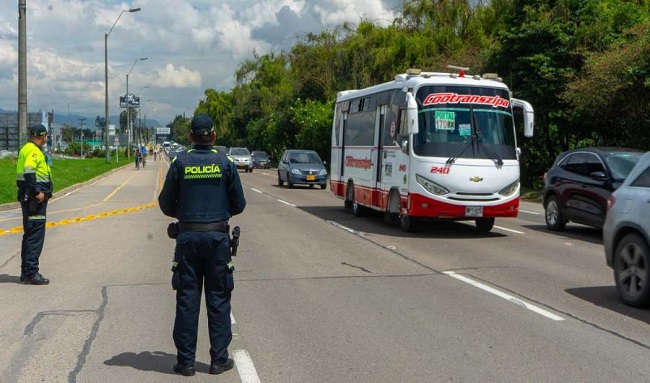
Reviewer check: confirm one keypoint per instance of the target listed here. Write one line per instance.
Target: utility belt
(214, 226)
(176, 228)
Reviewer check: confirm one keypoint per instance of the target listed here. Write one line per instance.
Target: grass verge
(65, 172)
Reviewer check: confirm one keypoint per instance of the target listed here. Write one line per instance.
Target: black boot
(184, 370)
(37, 279)
(218, 368)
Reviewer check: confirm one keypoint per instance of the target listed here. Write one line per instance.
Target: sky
(189, 46)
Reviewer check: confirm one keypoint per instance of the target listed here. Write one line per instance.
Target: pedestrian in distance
(34, 181)
(202, 191)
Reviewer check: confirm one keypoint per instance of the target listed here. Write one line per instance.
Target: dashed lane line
(245, 366)
(510, 230)
(505, 296)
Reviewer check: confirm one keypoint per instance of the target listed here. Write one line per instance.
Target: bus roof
(408, 80)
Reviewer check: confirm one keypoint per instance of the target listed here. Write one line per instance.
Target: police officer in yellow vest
(34, 183)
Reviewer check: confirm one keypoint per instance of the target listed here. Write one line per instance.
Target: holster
(172, 230)
(33, 205)
(176, 274)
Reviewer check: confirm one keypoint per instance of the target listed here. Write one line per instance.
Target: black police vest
(204, 178)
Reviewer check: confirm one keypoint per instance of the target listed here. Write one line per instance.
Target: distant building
(9, 136)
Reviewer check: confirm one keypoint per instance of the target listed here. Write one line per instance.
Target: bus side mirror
(411, 114)
(405, 146)
(529, 115)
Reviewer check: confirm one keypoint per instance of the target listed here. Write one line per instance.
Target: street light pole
(128, 108)
(22, 73)
(106, 119)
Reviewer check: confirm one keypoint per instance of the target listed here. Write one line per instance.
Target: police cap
(38, 130)
(202, 125)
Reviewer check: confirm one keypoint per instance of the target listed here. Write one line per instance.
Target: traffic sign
(117, 140)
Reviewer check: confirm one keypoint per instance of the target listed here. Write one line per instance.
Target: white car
(242, 158)
(626, 235)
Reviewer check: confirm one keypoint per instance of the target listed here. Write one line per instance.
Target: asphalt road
(320, 295)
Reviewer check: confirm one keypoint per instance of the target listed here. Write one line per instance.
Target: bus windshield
(464, 122)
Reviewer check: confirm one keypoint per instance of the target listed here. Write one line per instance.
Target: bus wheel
(408, 223)
(349, 196)
(391, 217)
(484, 224)
(358, 210)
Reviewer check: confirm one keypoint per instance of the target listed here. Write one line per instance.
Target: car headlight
(510, 189)
(295, 171)
(322, 172)
(431, 186)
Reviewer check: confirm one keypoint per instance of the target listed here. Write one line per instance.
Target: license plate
(311, 178)
(474, 211)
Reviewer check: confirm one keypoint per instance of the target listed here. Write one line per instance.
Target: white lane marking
(528, 212)
(510, 230)
(286, 203)
(257, 191)
(244, 363)
(345, 228)
(505, 296)
(232, 319)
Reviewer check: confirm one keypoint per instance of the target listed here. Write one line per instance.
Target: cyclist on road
(138, 158)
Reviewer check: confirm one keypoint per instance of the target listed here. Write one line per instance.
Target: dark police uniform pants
(203, 259)
(33, 237)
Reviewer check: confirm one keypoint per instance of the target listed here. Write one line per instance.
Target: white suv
(626, 235)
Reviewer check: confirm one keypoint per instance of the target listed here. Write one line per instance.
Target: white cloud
(172, 77)
(191, 45)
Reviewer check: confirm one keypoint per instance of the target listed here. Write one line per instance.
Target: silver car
(242, 158)
(626, 235)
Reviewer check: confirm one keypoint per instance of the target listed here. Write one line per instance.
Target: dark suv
(577, 186)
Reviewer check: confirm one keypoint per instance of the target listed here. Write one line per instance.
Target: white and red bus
(429, 145)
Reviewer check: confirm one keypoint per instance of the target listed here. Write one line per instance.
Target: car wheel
(311, 186)
(631, 270)
(554, 214)
(484, 224)
(251, 170)
(323, 186)
(289, 183)
(280, 182)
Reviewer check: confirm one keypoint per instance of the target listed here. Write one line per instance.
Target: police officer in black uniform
(202, 190)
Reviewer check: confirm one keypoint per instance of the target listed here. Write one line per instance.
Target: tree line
(584, 65)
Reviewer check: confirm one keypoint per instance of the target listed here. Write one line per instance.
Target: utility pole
(22, 72)
(81, 134)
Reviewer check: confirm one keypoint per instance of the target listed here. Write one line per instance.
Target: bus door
(341, 156)
(376, 155)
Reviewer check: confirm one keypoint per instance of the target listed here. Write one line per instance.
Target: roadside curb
(68, 190)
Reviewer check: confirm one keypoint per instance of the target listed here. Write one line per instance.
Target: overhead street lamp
(128, 107)
(106, 119)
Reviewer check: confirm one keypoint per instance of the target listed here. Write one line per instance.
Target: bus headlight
(431, 186)
(510, 189)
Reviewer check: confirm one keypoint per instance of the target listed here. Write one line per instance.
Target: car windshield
(304, 158)
(621, 164)
(239, 151)
(260, 156)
